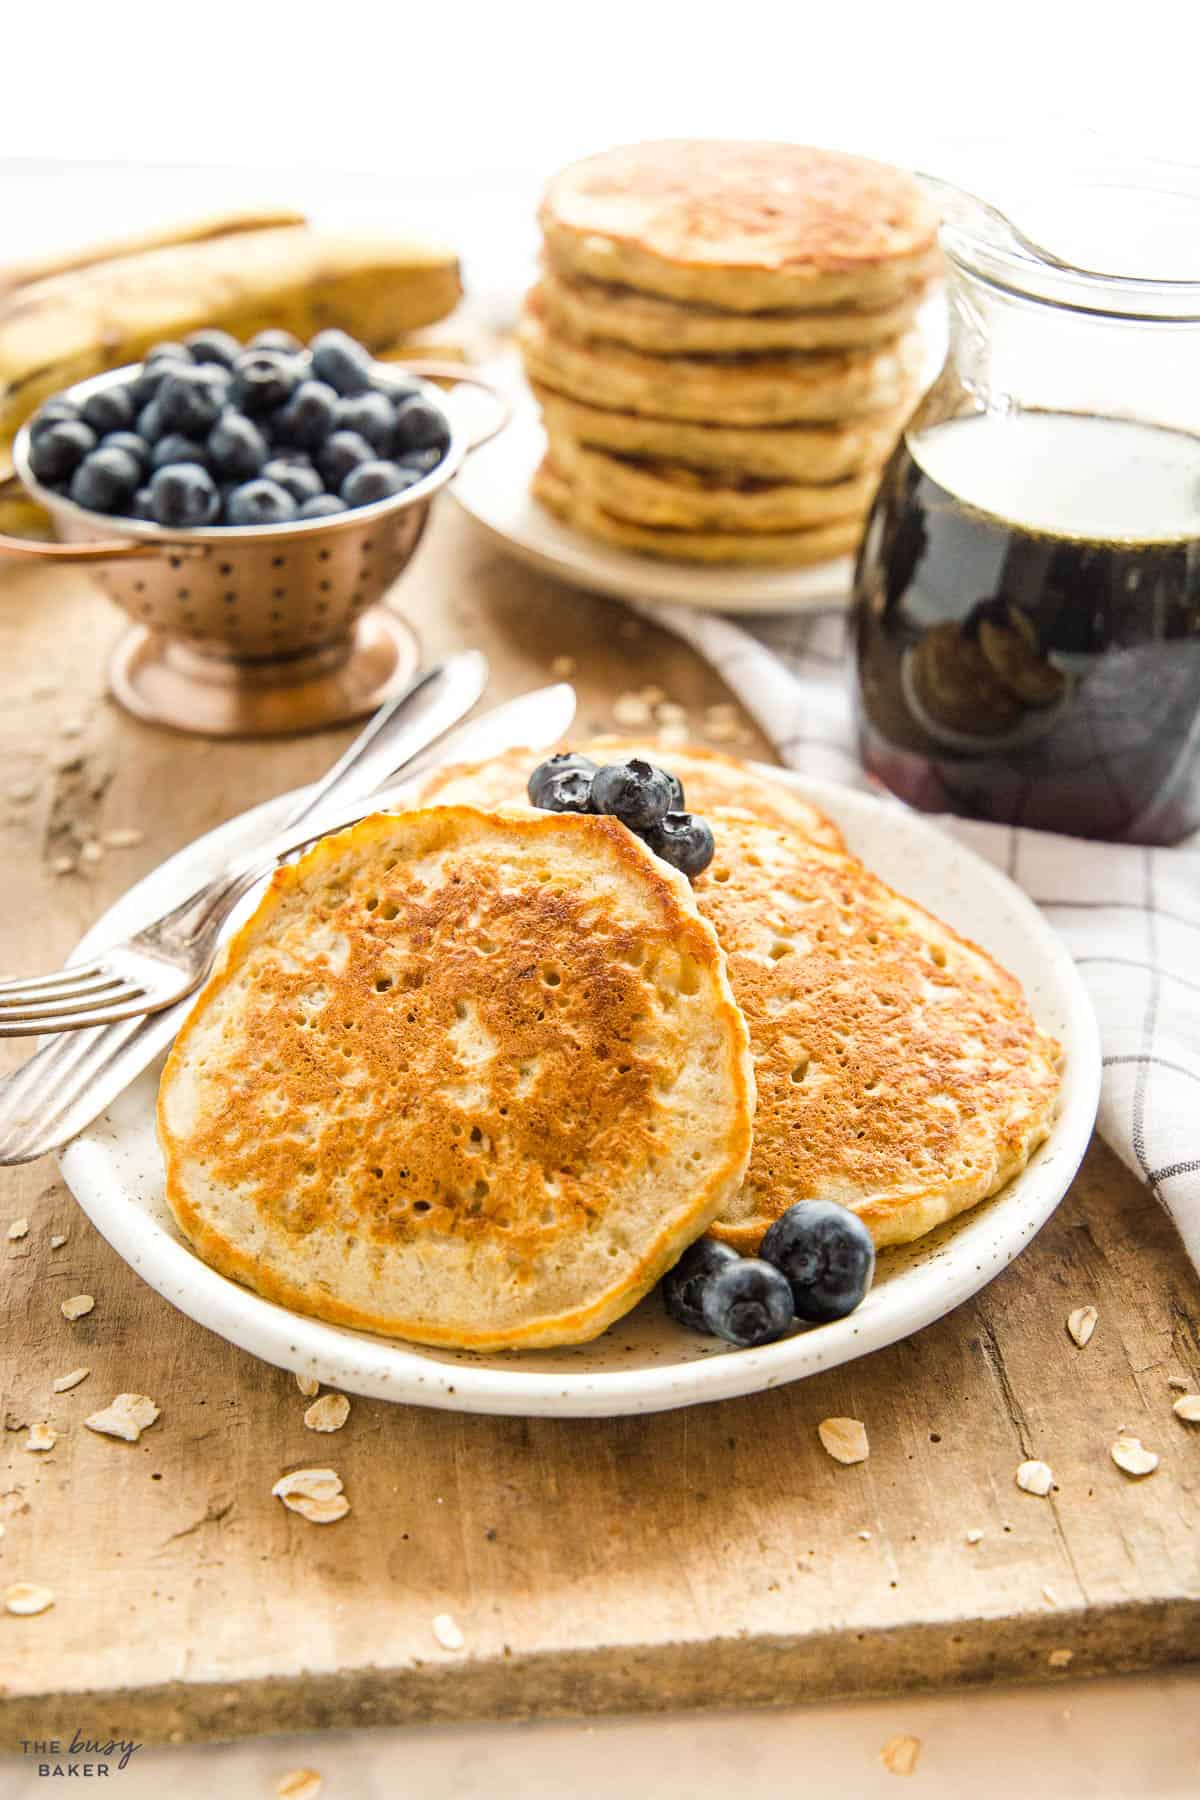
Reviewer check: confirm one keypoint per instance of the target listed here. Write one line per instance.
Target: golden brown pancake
(466, 1079)
(776, 389)
(900, 1072)
(811, 544)
(710, 779)
(592, 309)
(741, 226)
(665, 493)
(801, 453)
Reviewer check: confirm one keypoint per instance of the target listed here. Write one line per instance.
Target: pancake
(899, 1070)
(710, 780)
(813, 544)
(775, 389)
(590, 309)
(466, 1079)
(746, 227)
(665, 493)
(800, 453)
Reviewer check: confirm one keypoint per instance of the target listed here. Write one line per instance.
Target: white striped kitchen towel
(1130, 916)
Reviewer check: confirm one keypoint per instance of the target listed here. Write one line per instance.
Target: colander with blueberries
(248, 507)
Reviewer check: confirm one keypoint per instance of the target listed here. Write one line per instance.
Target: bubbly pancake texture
(899, 1070)
(741, 226)
(778, 388)
(591, 309)
(803, 453)
(807, 544)
(466, 1079)
(710, 780)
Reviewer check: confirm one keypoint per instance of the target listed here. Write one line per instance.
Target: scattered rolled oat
(844, 1439)
(630, 711)
(899, 1755)
(1081, 1324)
(975, 1536)
(1177, 1381)
(1049, 1596)
(125, 837)
(447, 1632)
(329, 1413)
(669, 712)
(58, 1240)
(1131, 1455)
(22, 792)
(1035, 1478)
(77, 1306)
(42, 1436)
(299, 1784)
(63, 865)
(26, 1598)
(651, 695)
(562, 668)
(1187, 1407)
(865, 1536)
(1060, 1659)
(672, 737)
(90, 853)
(71, 728)
(309, 1386)
(127, 1416)
(1, 1528)
(18, 1229)
(316, 1494)
(65, 1382)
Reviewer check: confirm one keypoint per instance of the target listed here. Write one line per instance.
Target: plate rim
(375, 1367)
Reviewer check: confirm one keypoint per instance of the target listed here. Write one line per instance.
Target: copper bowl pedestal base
(168, 681)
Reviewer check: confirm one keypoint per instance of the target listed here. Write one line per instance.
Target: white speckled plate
(645, 1362)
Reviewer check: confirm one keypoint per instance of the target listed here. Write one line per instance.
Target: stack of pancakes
(724, 345)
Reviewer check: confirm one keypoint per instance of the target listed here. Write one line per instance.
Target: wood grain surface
(709, 1556)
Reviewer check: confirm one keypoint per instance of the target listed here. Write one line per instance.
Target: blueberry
(341, 452)
(260, 503)
(321, 506)
(371, 416)
(684, 841)
(263, 380)
(106, 480)
(299, 479)
(176, 448)
(684, 1284)
(150, 422)
(559, 764)
(423, 461)
(190, 400)
(395, 384)
(142, 506)
(570, 790)
(634, 791)
(168, 352)
(747, 1302)
(371, 481)
(55, 412)
(276, 340)
(131, 443)
(343, 363)
(110, 409)
(57, 451)
(150, 377)
(309, 416)
(677, 801)
(419, 426)
(184, 494)
(827, 1255)
(236, 447)
(213, 346)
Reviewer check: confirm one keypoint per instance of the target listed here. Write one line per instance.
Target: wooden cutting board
(703, 1557)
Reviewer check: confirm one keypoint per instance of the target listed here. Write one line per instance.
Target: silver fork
(71, 1080)
(170, 957)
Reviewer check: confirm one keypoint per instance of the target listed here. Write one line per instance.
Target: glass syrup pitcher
(1027, 595)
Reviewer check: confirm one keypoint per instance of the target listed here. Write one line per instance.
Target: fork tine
(38, 985)
(90, 1009)
(41, 1004)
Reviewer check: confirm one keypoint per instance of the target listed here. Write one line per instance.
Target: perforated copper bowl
(248, 630)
